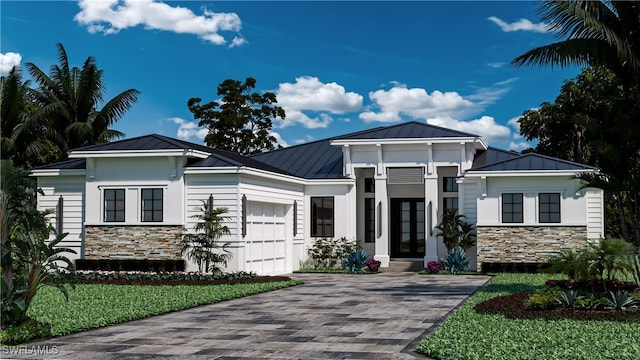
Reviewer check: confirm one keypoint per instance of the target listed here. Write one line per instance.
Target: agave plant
(620, 300)
(456, 261)
(355, 261)
(569, 298)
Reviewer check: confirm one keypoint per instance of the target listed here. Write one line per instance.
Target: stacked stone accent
(132, 242)
(526, 244)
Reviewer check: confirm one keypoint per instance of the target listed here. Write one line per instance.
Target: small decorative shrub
(543, 299)
(355, 261)
(456, 261)
(26, 331)
(372, 264)
(434, 267)
(569, 298)
(328, 253)
(621, 300)
(591, 302)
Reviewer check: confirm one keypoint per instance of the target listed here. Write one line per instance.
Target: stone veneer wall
(522, 244)
(156, 242)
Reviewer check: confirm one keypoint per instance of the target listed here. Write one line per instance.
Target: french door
(407, 228)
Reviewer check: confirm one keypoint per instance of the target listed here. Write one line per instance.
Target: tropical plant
(372, 264)
(634, 267)
(456, 261)
(29, 261)
(455, 231)
(202, 246)
(327, 253)
(355, 261)
(242, 121)
(605, 33)
(606, 257)
(67, 101)
(569, 298)
(568, 262)
(620, 300)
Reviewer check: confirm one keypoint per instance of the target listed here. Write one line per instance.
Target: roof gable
(533, 162)
(406, 130)
(147, 142)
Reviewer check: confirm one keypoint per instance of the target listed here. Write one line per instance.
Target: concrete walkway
(331, 316)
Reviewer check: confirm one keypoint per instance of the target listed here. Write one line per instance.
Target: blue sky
(335, 67)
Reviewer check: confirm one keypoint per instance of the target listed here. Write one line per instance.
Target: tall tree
(242, 121)
(594, 33)
(591, 121)
(68, 99)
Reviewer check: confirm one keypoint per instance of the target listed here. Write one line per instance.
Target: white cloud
(8, 61)
(309, 94)
(496, 65)
(279, 139)
(485, 126)
(111, 16)
(415, 102)
(519, 146)
(520, 25)
(189, 130)
(306, 139)
(513, 122)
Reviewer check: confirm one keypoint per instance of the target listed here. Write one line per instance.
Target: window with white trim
(549, 207)
(512, 208)
(152, 205)
(322, 213)
(114, 205)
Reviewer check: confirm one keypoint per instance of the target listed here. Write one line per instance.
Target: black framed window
(322, 216)
(450, 203)
(512, 208)
(151, 205)
(449, 184)
(369, 185)
(549, 207)
(369, 220)
(114, 205)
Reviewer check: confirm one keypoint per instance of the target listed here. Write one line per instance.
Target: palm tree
(67, 101)
(603, 33)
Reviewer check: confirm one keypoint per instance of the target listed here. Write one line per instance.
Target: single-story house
(386, 187)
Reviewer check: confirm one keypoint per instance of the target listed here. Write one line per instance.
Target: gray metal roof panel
(406, 130)
(73, 164)
(146, 142)
(533, 162)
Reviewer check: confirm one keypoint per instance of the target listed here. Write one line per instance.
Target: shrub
(620, 300)
(28, 330)
(543, 299)
(328, 253)
(355, 261)
(455, 231)
(456, 261)
(202, 247)
(434, 267)
(372, 264)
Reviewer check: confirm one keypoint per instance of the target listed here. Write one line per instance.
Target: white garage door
(265, 251)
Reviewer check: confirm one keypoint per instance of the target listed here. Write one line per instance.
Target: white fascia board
(243, 170)
(405, 141)
(137, 153)
(58, 172)
(526, 173)
(331, 182)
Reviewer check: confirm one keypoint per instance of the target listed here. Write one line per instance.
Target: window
(512, 208)
(322, 216)
(369, 220)
(151, 205)
(369, 185)
(450, 203)
(449, 184)
(114, 205)
(549, 207)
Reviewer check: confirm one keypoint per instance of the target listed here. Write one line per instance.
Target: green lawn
(468, 335)
(92, 306)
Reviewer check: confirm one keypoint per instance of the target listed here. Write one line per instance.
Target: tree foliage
(242, 120)
(592, 33)
(594, 121)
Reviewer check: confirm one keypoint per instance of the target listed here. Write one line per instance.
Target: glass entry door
(407, 228)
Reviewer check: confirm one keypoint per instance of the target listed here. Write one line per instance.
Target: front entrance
(407, 228)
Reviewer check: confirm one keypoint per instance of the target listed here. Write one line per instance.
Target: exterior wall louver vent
(406, 175)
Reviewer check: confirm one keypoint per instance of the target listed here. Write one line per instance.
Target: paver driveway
(331, 316)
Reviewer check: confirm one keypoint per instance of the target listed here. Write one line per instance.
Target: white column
(431, 216)
(382, 220)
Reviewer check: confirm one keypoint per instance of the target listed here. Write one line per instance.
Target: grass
(469, 335)
(93, 306)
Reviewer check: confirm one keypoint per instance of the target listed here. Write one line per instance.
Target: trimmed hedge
(524, 267)
(130, 265)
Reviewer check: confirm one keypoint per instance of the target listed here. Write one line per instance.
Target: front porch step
(404, 266)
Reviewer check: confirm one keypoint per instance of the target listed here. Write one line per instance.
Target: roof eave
(403, 141)
(58, 172)
(138, 153)
(504, 173)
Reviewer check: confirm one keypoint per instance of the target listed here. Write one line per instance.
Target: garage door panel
(266, 253)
